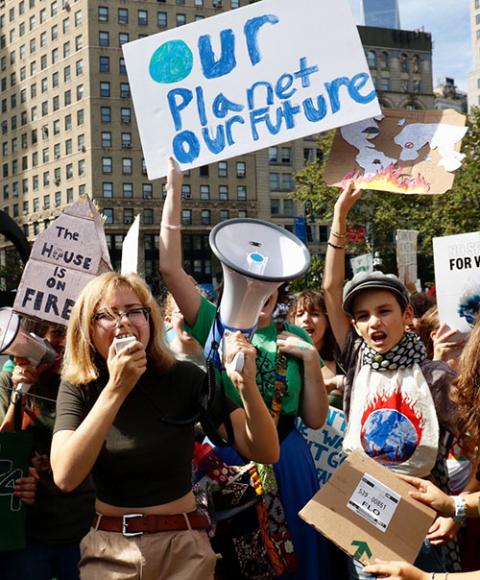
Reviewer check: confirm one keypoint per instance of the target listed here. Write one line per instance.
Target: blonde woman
(127, 416)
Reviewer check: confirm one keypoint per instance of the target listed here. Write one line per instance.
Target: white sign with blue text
(247, 79)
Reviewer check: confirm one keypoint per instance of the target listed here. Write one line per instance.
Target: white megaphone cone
(256, 257)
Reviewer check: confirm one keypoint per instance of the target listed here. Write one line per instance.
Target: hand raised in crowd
(396, 571)
(236, 343)
(174, 176)
(126, 366)
(292, 344)
(429, 494)
(25, 488)
(349, 197)
(443, 530)
(447, 343)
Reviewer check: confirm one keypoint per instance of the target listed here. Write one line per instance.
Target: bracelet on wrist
(338, 234)
(335, 247)
(170, 226)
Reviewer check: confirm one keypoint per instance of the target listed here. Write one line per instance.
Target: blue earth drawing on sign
(389, 437)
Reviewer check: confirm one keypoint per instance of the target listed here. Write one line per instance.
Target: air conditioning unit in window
(128, 221)
(56, 181)
(126, 145)
(66, 5)
(217, 3)
(57, 156)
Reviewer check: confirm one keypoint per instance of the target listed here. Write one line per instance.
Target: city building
(68, 127)
(474, 76)
(447, 96)
(381, 13)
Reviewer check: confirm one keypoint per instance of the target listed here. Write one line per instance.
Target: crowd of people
(148, 462)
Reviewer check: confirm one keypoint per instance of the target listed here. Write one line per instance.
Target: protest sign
(326, 443)
(457, 279)
(407, 255)
(64, 258)
(243, 80)
(130, 247)
(367, 511)
(400, 151)
(15, 450)
(363, 263)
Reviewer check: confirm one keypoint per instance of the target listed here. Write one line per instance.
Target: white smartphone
(121, 343)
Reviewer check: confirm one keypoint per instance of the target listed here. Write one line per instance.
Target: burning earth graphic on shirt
(391, 430)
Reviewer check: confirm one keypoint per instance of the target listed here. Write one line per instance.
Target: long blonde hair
(79, 360)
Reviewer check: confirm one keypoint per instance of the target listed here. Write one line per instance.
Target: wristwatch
(460, 509)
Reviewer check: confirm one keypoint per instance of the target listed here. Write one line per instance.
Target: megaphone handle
(237, 363)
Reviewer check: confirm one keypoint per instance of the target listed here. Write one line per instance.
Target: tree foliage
(438, 215)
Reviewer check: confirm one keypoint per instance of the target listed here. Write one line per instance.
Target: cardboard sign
(15, 451)
(407, 255)
(64, 258)
(366, 510)
(243, 80)
(457, 279)
(130, 247)
(400, 151)
(326, 443)
(363, 263)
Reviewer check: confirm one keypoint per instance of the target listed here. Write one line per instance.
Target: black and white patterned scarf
(407, 352)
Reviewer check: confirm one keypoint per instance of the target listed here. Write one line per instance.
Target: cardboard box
(366, 511)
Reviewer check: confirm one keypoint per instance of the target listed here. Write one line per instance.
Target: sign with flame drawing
(401, 151)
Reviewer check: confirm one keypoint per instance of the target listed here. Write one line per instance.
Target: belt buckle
(125, 531)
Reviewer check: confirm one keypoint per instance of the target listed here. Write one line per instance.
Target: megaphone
(256, 257)
(15, 340)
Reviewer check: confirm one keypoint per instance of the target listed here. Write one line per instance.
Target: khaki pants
(180, 555)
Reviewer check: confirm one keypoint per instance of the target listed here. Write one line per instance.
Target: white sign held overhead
(457, 279)
(363, 263)
(130, 248)
(246, 79)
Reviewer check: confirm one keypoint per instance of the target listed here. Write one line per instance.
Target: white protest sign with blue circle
(247, 79)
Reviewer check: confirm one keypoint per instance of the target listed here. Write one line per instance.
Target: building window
(222, 169)
(205, 217)
(147, 190)
(186, 191)
(122, 16)
(123, 38)
(103, 14)
(148, 216)
(415, 63)
(223, 192)
(122, 69)
(142, 18)
(181, 19)
(105, 89)
(384, 84)
(107, 189)
(372, 59)
(186, 217)
(125, 115)
(106, 114)
(274, 206)
(224, 214)
(124, 90)
(241, 193)
(106, 139)
(280, 155)
(128, 215)
(103, 38)
(205, 192)
(384, 60)
(108, 213)
(162, 19)
(404, 62)
(127, 190)
(127, 166)
(241, 169)
(58, 198)
(126, 140)
(106, 165)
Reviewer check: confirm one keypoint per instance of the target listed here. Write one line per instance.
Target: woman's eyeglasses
(136, 316)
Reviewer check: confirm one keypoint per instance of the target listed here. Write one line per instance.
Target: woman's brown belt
(138, 524)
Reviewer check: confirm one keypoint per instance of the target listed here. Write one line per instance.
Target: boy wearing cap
(396, 401)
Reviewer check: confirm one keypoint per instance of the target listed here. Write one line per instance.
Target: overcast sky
(449, 23)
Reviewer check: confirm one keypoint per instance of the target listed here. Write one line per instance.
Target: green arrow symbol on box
(362, 548)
